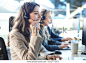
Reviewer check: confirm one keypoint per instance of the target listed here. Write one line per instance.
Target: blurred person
(11, 19)
(53, 37)
(25, 41)
(46, 18)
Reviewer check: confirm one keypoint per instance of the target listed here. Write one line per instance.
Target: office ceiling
(4, 4)
(3, 10)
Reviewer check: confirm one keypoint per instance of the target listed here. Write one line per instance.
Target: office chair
(3, 51)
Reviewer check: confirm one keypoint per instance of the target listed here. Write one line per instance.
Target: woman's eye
(36, 13)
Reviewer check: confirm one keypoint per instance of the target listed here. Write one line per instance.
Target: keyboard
(79, 58)
(66, 48)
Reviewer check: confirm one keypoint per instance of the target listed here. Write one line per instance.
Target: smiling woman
(25, 41)
(24, 32)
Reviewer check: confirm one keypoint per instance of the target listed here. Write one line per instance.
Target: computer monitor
(84, 35)
(76, 25)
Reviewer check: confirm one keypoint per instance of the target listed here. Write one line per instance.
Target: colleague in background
(53, 37)
(46, 18)
(25, 41)
(11, 19)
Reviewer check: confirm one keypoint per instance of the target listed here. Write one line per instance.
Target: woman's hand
(35, 28)
(63, 46)
(66, 39)
(53, 57)
(65, 43)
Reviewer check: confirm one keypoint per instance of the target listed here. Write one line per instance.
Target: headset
(26, 16)
(43, 17)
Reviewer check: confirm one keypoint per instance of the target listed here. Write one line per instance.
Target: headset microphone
(39, 22)
(33, 20)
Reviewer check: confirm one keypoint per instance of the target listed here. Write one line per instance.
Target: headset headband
(44, 12)
(26, 15)
(24, 9)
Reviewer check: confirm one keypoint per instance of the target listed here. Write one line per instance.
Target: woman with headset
(46, 19)
(25, 41)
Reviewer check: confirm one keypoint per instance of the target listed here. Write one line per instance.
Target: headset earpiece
(43, 17)
(26, 15)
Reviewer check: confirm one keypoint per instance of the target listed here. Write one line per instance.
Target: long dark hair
(21, 23)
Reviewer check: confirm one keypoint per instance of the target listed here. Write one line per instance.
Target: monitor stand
(84, 53)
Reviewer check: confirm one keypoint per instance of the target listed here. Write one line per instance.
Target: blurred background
(67, 15)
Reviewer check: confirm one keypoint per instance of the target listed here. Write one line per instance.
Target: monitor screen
(84, 32)
(76, 24)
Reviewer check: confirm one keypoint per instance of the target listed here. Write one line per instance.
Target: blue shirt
(45, 42)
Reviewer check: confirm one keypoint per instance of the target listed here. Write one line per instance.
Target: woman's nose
(51, 20)
(40, 16)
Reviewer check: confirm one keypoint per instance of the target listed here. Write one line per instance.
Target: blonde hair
(42, 26)
(47, 12)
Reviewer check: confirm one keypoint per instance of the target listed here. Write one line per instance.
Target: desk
(68, 53)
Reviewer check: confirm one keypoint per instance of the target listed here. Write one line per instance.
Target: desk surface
(68, 53)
